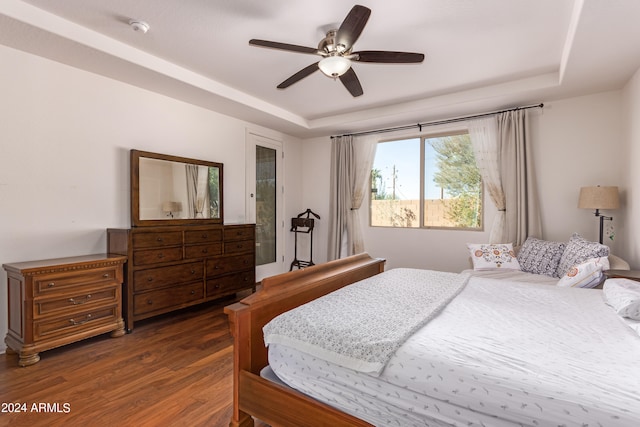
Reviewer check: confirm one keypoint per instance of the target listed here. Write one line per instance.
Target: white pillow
(624, 296)
(586, 275)
(493, 256)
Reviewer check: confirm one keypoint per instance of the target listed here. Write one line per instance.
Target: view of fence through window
(426, 182)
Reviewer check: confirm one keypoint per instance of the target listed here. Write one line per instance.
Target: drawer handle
(78, 302)
(217, 267)
(150, 302)
(239, 246)
(205, 250)
(204, 236)
(246, 279)
(217, 286)
(105, 275)
(160, 256)
(50, 285)
(193, 292)
(149, 279)
(159, 239)
(193, 271)
(73, 322)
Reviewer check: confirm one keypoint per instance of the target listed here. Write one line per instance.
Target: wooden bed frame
(256, 397)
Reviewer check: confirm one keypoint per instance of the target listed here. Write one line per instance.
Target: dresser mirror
(171, 190)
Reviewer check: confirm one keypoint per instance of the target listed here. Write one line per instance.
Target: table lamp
(599, 198)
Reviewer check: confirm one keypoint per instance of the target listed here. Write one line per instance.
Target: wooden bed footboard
(254, 396)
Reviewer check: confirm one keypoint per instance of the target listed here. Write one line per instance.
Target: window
(426, 182)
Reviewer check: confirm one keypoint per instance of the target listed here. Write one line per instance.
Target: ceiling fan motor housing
(328, 46)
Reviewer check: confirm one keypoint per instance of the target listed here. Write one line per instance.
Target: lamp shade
(334, 66)
(599, 198)
(171, 206)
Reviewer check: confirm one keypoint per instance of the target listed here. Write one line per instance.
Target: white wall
(575, 142)
(579, 142)
(631, 112)
(65, 137)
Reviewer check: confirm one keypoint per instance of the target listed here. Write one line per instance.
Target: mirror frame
(135, 191)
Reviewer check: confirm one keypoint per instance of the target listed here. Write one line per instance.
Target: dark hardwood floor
(173, 370)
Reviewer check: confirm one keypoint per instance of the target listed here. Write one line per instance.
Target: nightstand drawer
(157, 239)
(76, 323)
(156, 256)
(164, 276)
(76, 302)
(54, 283)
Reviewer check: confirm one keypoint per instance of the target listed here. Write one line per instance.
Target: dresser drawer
(48, 284)
(202, 251)
(76, 302)
(202, 236)
(163, 276)
(243, 232)
(167, 298)
(157, 239)
(230, 283)
(75, 323)
(222, 265)
(239, 246)
(155, 256)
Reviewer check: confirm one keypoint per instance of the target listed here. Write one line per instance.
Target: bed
(462, 382)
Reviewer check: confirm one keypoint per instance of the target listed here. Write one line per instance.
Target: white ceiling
(481, 55)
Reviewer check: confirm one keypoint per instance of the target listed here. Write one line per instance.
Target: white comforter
(498, 355)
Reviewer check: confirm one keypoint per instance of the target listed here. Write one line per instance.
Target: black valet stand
(303, 224)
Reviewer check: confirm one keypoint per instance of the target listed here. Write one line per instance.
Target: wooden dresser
(60, 301)
(176, 266)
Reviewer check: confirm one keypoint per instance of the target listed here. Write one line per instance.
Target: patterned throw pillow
(579, 250)
(540, 256)
(493, 256)
(589, 274)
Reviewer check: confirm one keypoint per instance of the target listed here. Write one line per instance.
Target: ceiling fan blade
(352, 26)
(283, 46)
(299, 76)
(388, 57)
(351, 82)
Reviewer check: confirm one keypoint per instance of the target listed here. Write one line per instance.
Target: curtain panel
(484, 138)
(503, 156)
(522, 207)
(351, 161)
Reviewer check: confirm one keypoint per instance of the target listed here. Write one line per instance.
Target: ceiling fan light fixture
(334, 66)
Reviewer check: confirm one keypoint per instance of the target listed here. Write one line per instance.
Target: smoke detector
(139, 26)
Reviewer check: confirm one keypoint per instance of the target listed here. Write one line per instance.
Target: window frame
(421, 222)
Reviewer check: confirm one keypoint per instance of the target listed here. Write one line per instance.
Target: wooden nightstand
(623, 274)
(59, 301)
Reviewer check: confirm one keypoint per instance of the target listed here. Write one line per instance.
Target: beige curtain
(351, 162)
(522, 217)
(505, 162)
(192, 190)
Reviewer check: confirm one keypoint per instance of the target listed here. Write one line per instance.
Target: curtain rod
(438, 122)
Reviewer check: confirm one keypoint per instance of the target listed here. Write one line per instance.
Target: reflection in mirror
(178, 190)
(169, 188)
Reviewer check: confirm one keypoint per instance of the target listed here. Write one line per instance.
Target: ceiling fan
(336, 50)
